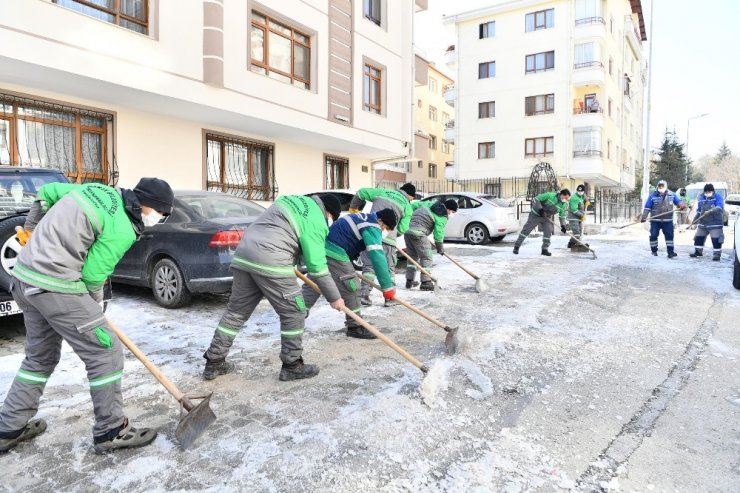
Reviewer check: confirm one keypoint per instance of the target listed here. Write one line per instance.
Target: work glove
(389, 294)
(22, 235)
(682, 206)
(562, 229)
(352, 210)
(440, 247)
(583, 218)
(716, 208)
(693, 226)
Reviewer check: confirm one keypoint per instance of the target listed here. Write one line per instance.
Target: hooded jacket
(80, 234)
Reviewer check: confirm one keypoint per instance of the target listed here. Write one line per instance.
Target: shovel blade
(194, 423)
(451, 340)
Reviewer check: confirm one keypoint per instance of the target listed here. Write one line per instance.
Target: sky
(694, 70)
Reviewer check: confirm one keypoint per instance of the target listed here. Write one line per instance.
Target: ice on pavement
(551, 355)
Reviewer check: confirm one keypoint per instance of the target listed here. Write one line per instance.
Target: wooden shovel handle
(462, 267)
(421, 269)
(406, 304)
(369, 327)
(151, 367)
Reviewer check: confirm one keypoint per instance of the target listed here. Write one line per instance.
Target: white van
(693, 190)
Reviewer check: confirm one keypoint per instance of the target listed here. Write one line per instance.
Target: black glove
(643, 219)
(440, 247)
(562, 229)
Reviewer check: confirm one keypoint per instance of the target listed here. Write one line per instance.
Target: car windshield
(17, 190)
(496, 200)
(215, 206)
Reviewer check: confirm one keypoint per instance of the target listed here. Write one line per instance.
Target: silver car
(733, 200)
(480, 217)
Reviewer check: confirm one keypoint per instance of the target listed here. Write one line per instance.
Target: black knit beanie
(155, 193)
(388, 217)
(332, 205)
(451, 205)
(409, 189)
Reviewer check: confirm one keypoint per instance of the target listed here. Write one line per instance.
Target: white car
(730, 201)
(480, 217)
(732, 207)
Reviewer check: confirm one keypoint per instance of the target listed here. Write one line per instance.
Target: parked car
(18, 188)
(734, 200)
(479, 217)
(189, 251)
(732, 207)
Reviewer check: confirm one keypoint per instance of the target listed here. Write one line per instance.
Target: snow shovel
(197, 417)
(451, 340)
(421, 269)
(578, 241)
(695, 221)
(638, 222)
(421, 366)
(480, 286)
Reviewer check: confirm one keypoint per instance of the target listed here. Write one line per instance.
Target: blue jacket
(353, 233)
(714, 219)
(658, 203)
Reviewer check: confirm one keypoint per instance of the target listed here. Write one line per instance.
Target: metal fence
(610, 207)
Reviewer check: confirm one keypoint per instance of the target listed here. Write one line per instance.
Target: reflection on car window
(213, 207)
(474, 203)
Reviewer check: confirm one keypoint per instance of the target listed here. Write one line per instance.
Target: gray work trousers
(545, 222)
(247, 290)
(418, 248)
(78, 319)
(575, 227)
(367, 265)
(345, 278)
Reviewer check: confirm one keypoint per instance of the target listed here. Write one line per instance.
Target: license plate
(8, 308)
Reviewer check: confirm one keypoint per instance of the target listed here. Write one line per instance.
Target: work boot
(388, 303)
(427, 286)
(571, 243)
(546, 252)
(126, 437)
(297, 371)
(411, 284)
(360, 332)
(697, 253)
(216, 368)
(516, 249)
(716, 256)
(32, 429)
(365, 300)
(654, 252)
(672, 254)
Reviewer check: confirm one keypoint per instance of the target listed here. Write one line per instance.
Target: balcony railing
(590, 20)
(578, 110)
(450, 124)
(587, 153)
(593, 63)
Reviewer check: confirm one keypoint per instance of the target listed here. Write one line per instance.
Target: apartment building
(559, 81)
(253, 98)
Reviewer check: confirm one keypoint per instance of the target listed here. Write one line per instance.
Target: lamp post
(688, 126)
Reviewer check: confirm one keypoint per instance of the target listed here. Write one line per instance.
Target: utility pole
(688, 158)
(646, 162)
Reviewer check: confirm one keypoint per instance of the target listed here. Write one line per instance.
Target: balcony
(589, 73)
(450, 95)
(399, 167)
(633, 39)
(587, 153)
(590, 27)
(451, 56)
(450, 132)
(588, 117)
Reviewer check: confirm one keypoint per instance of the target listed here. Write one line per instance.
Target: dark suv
(18, 188)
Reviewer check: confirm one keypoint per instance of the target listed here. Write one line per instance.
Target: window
(432, 113)
(587, 142)
(432, 170)
(609, 149)
(542, 19)
(336, 172)
(445, 147)
(240, 167)
(371, 10)
(280, 52)
(432, 85)
(131, 14)
(587, 55)
(433, 142)
(487, 30)
(539, 105)
(371, 83)
(74, 140)
(611, 65)
(589, 10)
(486, 70)
(539, 62)
(418, 103)
(445, 118)
(627, 82)
(610, 107)
(487, 109)
(486, 150)
(421, 164)
(540, 146)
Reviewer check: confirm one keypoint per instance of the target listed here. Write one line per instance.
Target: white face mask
(384, 233)
(151, 219)
(709, 194)
(580, 193)
(563, 199)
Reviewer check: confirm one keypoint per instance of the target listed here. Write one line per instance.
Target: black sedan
(189, 251)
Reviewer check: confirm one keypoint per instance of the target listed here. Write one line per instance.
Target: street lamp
(688, 126)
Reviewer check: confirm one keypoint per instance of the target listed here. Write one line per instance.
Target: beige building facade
(559, 81)
(253, 98)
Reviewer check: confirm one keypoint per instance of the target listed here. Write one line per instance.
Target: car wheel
(9, 249)
(168, 285)
(736, 272)
(476, 234)
(496, 239)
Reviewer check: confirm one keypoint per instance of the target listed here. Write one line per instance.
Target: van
(693, 190)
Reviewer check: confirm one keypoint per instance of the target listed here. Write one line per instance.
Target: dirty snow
(560, 356)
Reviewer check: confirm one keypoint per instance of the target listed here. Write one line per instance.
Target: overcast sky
(695, 70)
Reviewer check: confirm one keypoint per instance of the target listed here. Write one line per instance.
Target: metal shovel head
(451, 340)
(194, 423)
